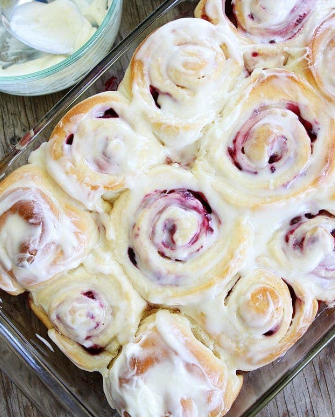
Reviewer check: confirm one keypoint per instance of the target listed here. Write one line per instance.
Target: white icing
(148, 394)
(105, 156)
(80, 317)
(322, 56)
(30, 249)
(95, 309)
(273, 21)
(62, 25)
(289, 24)
(57, 27)
(265, 123)
(93, 10)
(174, 234)
(198, 66)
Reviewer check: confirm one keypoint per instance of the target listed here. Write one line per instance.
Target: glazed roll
(257, 319)
(262, 22)
(197, 382)
(94, 153)
(179, 78)
(89, 315)
(272, 33)
(303, 249)
(320, 59)
(276, 141)
(42, 232)
(175, 236)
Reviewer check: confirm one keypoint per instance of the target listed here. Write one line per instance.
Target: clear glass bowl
(53, 383)
(72, 69)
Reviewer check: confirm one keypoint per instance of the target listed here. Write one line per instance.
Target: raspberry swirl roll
(180, 76)
(175, 236)
(272, 33)
(304, 248)
(199, 382)
(321, 57)
(257, 319)
(276, 141)
(94, 153)
(42, 232)
(89, 315)
(262, 21)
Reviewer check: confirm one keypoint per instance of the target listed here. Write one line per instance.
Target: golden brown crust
(78, 355)
(82, 108)
(40, 313)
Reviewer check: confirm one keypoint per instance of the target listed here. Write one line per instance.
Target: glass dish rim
(21, 345)
(37, 75)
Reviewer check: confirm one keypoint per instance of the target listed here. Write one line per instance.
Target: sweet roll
(303, 249)
(89, 315)
(320, 57)
(167, 371)
(271, 33)
(175, 236)
(94, 153)
(257, 319)
(179, 78)
(42, 232)
(275, 141)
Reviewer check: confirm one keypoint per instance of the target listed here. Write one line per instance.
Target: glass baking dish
(31, 360)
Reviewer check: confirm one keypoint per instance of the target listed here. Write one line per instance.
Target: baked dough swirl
(257, 319)
(321, 56)
(42, 232)
(272, 22)
(197, 383)
(89, 315)
(271, 34)
(274, 142)
(175, 236)
(304, 250)
(94, 153)
(179, 77)
(262, 21)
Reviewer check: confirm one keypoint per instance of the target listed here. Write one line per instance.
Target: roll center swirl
(269, 139)
(81, 316)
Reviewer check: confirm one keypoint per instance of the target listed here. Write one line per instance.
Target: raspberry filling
(82, 317)
(90, 294)
(69, 139)
(273, 331)
(181, 224)
(109, 114)
(94, 350)
(263, 142)
(309, 243)
(155, 95)
(112, 84)
(294, 298)
(310, 130)
(262, 19)
(132, 256)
